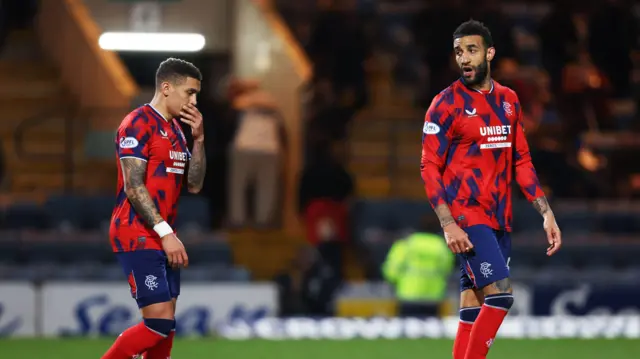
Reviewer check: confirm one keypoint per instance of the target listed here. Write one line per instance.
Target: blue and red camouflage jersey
(144, 134)
(471, 143)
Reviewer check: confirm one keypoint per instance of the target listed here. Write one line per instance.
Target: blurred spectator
(325, 187)
(256, 157)
(418, 267)
(307, 288)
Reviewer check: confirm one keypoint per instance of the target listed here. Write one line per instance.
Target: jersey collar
(475, 90)
(157, 112)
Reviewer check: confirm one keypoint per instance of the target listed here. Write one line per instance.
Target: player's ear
(491, 52)
(165, 87)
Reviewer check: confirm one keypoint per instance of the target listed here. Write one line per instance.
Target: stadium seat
(7, 270)
(110, 273)
(65, 212)
(10, 248)
(25, 216)
(193, 214)
(214, 253)
(576, 222)
(240, 274)
(97, 214)
(618, 223)
(37, 272)
(227, 274)
(197, 273)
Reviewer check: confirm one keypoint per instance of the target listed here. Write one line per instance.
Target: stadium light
(151, 41)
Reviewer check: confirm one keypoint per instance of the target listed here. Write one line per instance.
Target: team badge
(507, 108)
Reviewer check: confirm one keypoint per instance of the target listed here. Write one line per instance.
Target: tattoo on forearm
(541, 205)
(197, 167)
(503, 285)
(444, 215)
(134, 172)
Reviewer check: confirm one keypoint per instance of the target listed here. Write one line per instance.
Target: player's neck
(160, 107)
(484, 86)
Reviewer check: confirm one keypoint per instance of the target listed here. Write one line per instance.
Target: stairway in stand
(385, 141)
(33, 97)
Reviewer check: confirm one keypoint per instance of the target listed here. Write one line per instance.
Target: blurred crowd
(571, 62)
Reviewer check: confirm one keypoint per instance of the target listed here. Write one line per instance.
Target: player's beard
(480, 74)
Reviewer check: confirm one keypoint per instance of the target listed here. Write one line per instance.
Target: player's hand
(174, 249)
(457, 239)
(192, 117)
(553, 234)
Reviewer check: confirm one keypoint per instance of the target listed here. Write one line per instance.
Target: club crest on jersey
(430, 128)
(508, 109)
(128, 142)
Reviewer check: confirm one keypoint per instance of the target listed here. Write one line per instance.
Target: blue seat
(98, 212)
(25, 215)
(218, 253)
(10, 249)
(65, 211)
(193, 213)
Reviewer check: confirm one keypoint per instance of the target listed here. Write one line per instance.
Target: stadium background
(351, 80)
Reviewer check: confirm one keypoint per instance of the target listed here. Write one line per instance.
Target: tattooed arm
(542, 206)
(134, 172)
(197, 167)
(444, 215)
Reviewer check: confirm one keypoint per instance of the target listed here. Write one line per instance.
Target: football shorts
(488, 261)
(151, 279)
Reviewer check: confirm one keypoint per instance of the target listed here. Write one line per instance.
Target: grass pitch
(325, 349)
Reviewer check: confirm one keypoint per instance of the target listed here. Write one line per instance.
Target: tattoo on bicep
(134, 172)
(503, 285)
(541, 205)
(444, 215)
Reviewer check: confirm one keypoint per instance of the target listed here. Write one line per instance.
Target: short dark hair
(175, 70)
(474, 27)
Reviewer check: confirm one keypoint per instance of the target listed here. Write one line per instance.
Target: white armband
(163, 228)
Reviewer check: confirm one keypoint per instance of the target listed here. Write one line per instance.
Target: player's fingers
(188, 116)
(193, 110)
(550, 236)
(180, 259)
(467, 244)
(450, 245)
(176, 261)
(557, 241)
(170, 259)
(553, 248)
(457, 247)
(185, 258)
(188, 122)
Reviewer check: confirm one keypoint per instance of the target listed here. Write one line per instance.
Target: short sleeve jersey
(145, 135)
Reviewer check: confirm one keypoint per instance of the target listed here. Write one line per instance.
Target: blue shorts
(151, 280)
(489, 260)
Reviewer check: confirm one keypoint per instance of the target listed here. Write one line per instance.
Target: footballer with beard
(473, 144)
